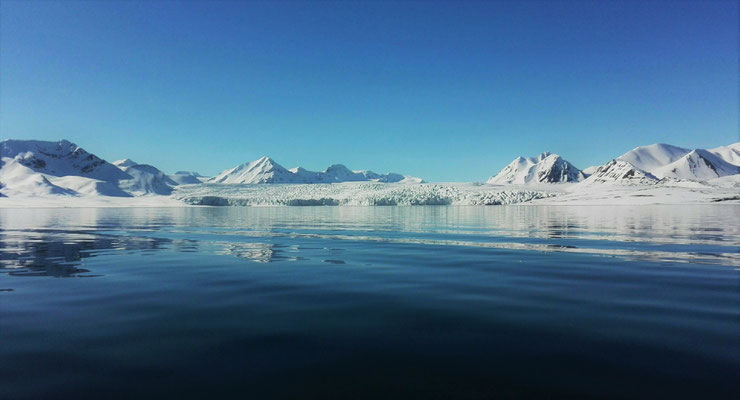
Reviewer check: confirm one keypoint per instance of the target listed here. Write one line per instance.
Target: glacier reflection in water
(370, 301)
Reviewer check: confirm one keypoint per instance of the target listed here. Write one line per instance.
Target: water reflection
(56, 242)
(60, 253)
(280, 298)
(258, 252)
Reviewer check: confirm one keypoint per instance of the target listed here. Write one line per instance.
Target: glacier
(354, 194)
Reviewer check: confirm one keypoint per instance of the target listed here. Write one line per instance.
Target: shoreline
(396, 195)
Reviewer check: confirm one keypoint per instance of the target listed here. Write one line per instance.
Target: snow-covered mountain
(265, 170)
(32, 167)
(621, 172)
(153, 179)
(126, 162)
(667, 161)
(588, 171)
(145, 179)
(17, 178)
(698, 165)
(187, 177)
(56, 168)
(61, 158)
(545, 168)
(649, 158)
(729, 154)
(649, 164)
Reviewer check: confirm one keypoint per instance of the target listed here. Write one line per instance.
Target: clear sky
(446, 91)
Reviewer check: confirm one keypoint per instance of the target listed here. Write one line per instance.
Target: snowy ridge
(646, 165)
(649, 158)
(588, 171)
(618, 171)
(187, 178)
(126, 162)
(146, 179)
(698, 165)
(17, 178)
(666, 161)
(729, 154)
(38, 168)
(265, 170)
(61, 158)
(545, 168)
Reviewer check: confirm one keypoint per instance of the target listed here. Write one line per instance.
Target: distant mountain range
(641, 165)
(145, 178)
(265, 170)
(39, 168)
(666, 161)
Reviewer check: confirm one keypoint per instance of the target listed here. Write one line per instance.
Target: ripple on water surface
(466, 302)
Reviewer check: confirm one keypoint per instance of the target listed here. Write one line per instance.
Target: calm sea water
(383, 302)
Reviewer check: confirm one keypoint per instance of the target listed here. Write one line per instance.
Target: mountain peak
(648, 158)
(619, 171)
(60, 158)
(698, 164)
(337, 167)
(62, 167)
(126, 162)
(262, 170)
(265, 170)
(544, 168)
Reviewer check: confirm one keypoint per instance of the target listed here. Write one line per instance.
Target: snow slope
(187, 178)
(700, 165)
(666, 161)
(17, 178)
(41, 168)
(649, 158)
(38, 168)
(61, 158)
(724, 190)
(126, 162)
(649, 164)
(146, 179)
(588, 171)
(729, 154)
(729, 181)
(617, 171)
(545, 168)
(265, 170)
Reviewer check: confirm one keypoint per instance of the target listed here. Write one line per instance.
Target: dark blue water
(384, 302)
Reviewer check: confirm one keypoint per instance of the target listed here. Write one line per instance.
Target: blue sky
(442, 90)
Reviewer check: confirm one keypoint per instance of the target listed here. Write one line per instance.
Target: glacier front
(353, 194)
